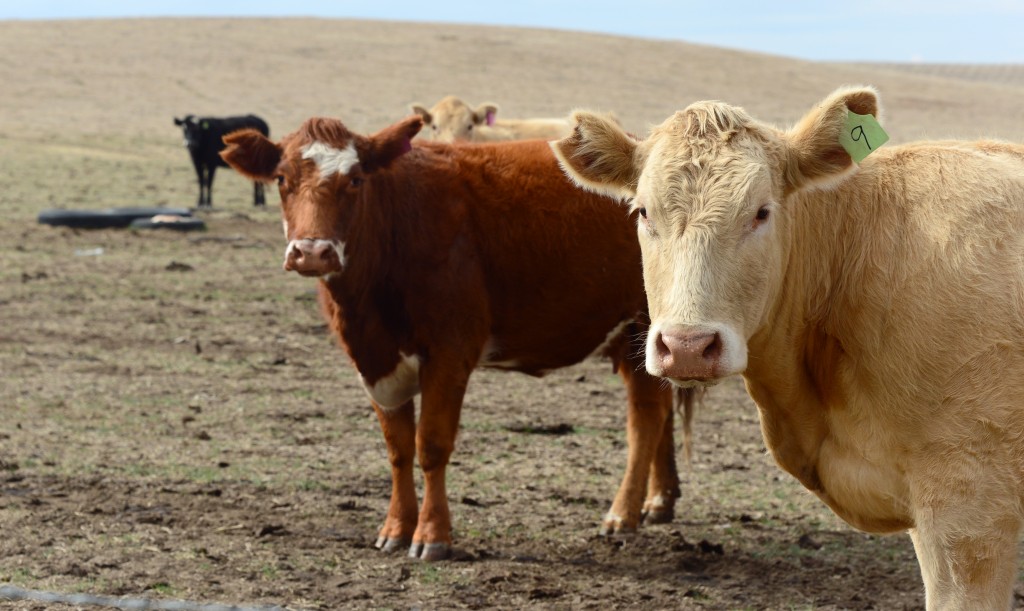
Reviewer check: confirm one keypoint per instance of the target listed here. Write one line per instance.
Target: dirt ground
(177, 423)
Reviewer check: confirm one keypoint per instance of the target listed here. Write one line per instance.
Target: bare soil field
(177, 423)
(997, 74)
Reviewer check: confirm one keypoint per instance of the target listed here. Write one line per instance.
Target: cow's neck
(386, 255)
(368, 303)
(800, 364)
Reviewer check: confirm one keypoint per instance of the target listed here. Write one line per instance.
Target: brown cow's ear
(485, 114)
(422, 111)
(251, 154)
(814, 156)
(599, 156)
(389, 143)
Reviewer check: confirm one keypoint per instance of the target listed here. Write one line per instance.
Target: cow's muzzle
(314, 257)
(687, 355)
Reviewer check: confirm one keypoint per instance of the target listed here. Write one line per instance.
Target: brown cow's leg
(650, 407)
(663, 484)
(440, 406)
(399, 428)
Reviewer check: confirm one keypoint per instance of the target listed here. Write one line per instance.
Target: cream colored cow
(876, 313)
(452, 120)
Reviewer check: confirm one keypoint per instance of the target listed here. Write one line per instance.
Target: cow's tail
(687, 400)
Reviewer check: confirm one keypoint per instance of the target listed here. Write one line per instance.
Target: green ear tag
(206, 125)
(861, 135)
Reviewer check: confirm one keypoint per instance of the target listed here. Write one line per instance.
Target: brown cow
(876, 312)
(434, 260)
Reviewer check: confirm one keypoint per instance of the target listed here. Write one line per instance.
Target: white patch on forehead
(284, 225)
(394, 389)
(330, 160)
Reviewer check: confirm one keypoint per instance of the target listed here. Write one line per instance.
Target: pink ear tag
(490, 117)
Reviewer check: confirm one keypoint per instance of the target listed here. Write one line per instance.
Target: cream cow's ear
(422, 111)
(485, 114)
(815, 157)
(599, 156)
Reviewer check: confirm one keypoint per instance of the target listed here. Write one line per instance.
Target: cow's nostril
(661, 347)
(714, 349)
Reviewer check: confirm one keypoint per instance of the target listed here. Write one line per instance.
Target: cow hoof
(391, 544)
(613, 524)
(609, 529)
(658, 516)
(430, 551)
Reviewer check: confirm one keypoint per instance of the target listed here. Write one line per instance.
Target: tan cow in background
(876, 313)
(452, 120)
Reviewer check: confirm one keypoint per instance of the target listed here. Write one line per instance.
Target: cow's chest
(860, 474)
(831, 434)
(851, 461)
(393, 389)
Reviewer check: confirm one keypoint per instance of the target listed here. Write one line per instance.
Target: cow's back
(522, 129)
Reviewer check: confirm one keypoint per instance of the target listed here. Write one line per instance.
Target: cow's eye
(762, 213)
(645, 222)
(433, 127)
(470, 128)
(355, 181)
(280, 180)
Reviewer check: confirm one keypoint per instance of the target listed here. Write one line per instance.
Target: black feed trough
(117, 217)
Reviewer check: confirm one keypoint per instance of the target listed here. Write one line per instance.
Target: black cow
(203, 137)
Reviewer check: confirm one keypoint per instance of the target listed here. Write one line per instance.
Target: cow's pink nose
(312, 257)
(688, 354)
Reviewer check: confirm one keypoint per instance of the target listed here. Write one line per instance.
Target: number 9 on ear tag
(861, 135)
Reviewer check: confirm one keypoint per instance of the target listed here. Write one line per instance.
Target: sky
(935, 31)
